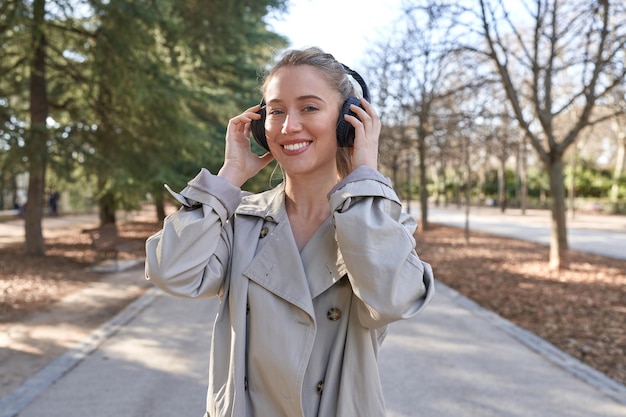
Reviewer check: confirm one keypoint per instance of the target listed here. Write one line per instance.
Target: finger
(249, 114)
(361, 113)
(367, 118)
(366, 103)
(365, 127)
(240, 122)
(254, 110)
(361, 118)
(354, 121)
(359, 127)
(369, 108)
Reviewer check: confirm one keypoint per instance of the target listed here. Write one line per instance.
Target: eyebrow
(300, 98)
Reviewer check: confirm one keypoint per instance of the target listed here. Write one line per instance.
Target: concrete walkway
(593, 233)
(456, 359)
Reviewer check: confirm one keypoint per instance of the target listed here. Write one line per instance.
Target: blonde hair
(337, 78)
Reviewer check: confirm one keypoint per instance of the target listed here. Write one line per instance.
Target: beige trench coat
(297, 334)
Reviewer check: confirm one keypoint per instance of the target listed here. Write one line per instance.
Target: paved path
(454, 360)
(12, 231)
(149, 361)
(599, 234)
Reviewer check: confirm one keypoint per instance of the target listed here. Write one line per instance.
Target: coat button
(264, 232)
(334, 314)
(320, 387)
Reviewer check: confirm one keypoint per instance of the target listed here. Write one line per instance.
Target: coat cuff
(208, 189)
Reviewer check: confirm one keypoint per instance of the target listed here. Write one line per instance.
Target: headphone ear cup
(257, 127)
(345, 131)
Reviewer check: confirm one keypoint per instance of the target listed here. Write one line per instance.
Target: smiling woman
(310, 273)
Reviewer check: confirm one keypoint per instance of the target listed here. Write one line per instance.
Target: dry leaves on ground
(581, 310)
(31, 283)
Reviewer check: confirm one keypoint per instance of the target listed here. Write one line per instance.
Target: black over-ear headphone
(345, 131)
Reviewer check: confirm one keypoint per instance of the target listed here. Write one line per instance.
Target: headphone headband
(360, 80)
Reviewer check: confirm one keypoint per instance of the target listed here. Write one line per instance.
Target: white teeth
(295, 146)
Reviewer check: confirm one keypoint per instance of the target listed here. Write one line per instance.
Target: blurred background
(483, 102)
(513, 109)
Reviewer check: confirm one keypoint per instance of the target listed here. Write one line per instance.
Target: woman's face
(301, 120)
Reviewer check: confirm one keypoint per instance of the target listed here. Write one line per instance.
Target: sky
(343, 28)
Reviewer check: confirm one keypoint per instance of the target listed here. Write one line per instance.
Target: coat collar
(269, 205)
(279, 267)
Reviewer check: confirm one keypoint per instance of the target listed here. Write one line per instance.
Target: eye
(275, 112)
(310, 108)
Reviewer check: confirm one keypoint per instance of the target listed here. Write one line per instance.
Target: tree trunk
(2, 189)
(620, 162)
(481, 183)
(558, 236)
(409, 193)
(159, 203)
(394, 172)
(524, 177)
(572, 186)
(37, 146)
(423, 183)
(468, 188)
(33, 214)
(15, 201)
(438, 185)
(107, 207)
(502, 185)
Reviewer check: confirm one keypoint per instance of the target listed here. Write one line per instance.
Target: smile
(295, 146)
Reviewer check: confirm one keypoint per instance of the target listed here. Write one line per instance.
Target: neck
(307, 199)
(307, 206)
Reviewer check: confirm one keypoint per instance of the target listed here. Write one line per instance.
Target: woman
(309, 273)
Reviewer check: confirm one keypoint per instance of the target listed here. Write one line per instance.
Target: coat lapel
(322, 259)
(277, 265)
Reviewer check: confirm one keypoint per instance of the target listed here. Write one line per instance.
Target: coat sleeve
(189, 256)
(377, 244)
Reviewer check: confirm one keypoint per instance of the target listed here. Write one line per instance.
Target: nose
(291, 124)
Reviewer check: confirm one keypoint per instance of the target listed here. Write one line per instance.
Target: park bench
(108, 244)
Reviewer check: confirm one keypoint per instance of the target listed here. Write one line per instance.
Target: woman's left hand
(367, 131)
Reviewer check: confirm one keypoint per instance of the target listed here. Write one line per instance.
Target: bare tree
(549, 43)
(388, 83)
(521, 165)
(443, 152)
(426, 59)
(501, 134)
(408, 70)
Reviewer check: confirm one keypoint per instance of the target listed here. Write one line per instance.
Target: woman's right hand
(240, 163)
